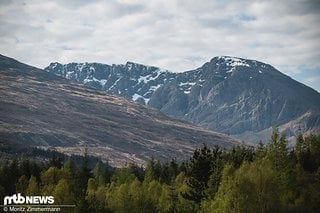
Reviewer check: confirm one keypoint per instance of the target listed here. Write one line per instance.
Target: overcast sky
(176, 35)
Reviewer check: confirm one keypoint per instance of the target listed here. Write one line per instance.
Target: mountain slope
(243, 98)
(40, 109)
(132, 81)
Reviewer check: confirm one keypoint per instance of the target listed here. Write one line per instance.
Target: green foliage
(281, 162)
(251, 188)
(33, 187)
(62, 193)
(96, 196)
(9, 176)
(215, 178)
(268, 178)
(239, 154)
(22, 184)
(49, 179)
(55, 161)
(102, 173)
(123, 175)
(152, 171)
(164, 173)
(308, 152)
(308, 186)
(199, 171)
(128, 197)
(277, 151)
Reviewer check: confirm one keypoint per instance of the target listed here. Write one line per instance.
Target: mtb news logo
(19, 199)
(19, 203)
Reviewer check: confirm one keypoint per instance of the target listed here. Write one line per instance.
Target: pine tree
(55, 160)
(279, 158)
(82, 178)
(199, 171)
(151, 173)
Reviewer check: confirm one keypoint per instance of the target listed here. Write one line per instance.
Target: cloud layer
(176, 35)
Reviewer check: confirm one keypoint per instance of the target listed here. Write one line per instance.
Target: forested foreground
(268, 178)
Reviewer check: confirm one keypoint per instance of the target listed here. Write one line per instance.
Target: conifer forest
(270, 177)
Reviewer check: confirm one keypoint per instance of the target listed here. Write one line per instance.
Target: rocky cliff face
(42, 109)
(240, 97)
(132, 81)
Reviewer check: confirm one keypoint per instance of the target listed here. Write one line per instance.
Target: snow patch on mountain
(233, 61)
(150, 77)
(227, 94)
(154, 88)
(139, 82)
(136, 96)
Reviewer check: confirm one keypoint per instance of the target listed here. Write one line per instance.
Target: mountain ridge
(45, 110)
(228, 94)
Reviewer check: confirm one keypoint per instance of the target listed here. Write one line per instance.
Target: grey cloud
(176, 35)
(118, 9)
(5, 2)
(246, 17)
(220, 22)
(302, 7)
(72, 4)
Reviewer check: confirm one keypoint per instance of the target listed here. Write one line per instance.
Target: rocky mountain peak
(232, 95)
(230, 61)
(44, 110)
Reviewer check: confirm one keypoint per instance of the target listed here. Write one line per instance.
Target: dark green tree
(55, 160)
(199, 171)
(282, 163)
(24, 168)
(240, 153)
(152, 171)
(217, 165)
(307, 150)
(22, 184)
(82, 177)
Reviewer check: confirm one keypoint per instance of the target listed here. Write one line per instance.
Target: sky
(177, 35)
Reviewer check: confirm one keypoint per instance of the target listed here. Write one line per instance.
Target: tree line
(267, 178)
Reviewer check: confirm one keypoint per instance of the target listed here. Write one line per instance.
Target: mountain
(132, 81)
(40, 109)
(239, 97)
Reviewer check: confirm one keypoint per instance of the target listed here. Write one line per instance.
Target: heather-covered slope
(40, 109)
